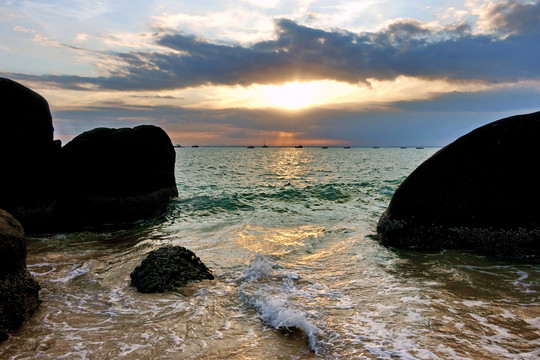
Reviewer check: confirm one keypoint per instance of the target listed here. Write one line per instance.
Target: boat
(251, 147)
(403, 147)
(325, 147)
(195, 146)
(177, 146)
(419, 147)
(375, 147)
(346, 147)
(298, 147)
(265, 146)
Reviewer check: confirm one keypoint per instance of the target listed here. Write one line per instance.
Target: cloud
(513, 17)
(263, 3)
(77, 9)
(435, 122)
(301, 53)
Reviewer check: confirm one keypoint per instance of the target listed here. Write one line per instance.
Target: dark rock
(167, 269)
(116, 175)
(479, 192)
(102, 176)
(29, 153)
(19, 292)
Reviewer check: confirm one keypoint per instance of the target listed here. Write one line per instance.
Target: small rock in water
(167, 269)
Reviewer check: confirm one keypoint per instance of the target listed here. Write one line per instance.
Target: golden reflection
(289, 164)
(279, 241)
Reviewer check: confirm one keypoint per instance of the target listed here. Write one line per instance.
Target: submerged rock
(167, 269)
(116, 175)
(19, 292)
(29, 154)
(479, 192)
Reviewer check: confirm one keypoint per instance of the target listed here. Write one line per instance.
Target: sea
(290, 235)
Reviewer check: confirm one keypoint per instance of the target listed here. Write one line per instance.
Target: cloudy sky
(311, 72)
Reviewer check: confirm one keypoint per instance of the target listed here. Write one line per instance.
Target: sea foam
(267, 288)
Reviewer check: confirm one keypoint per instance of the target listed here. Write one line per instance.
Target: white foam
(42, 269)
(415, 299)
(346, 303)
(129, 348)
(268, 289)
(474, 303)
(259, 267)
(275, 312)
(76, 271)
(520, 282)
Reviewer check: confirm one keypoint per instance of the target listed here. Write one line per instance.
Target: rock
(101, 176)
(167, 269)
(29, 153)
(116, 175)
(478, 192)
(19, 292)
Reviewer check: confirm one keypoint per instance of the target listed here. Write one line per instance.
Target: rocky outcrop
(167, 269)
(29, 153)
(116, 175)
(479, 192)
(19, 292)
(102, 176)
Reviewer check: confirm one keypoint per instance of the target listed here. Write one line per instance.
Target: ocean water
(289, 234)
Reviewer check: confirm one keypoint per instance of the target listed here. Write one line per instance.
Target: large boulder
(116, 175)
(29, 153)
(167, 269)
(478, 192)
(19, 292)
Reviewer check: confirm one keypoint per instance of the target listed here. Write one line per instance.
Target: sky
(310, 72)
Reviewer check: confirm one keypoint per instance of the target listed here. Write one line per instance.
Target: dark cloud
(301, 53)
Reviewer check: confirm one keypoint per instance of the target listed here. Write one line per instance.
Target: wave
(337, 193)
(205, 205)
(269, 290)
(214, 204)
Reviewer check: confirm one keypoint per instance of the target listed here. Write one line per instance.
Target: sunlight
(294, 95)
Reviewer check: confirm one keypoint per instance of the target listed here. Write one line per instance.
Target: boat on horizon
(346, 147)
(194, 146)
(325, 147)
(251, 147)
(298, 147)
(264, 143)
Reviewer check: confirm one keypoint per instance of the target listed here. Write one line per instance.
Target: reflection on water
(289, 234)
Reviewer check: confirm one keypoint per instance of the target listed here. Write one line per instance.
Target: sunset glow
(335, 72)
(293, 95)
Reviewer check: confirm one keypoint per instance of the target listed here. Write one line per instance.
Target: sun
(293, 95)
